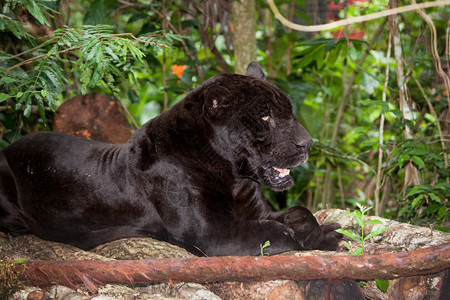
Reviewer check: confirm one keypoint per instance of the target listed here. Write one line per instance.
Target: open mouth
(278, 179)
(282, 172)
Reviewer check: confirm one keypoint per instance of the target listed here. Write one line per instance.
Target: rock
(31, 247)
(192, 291)
(22, 293)
(287, 291)
(275, 289)
(140, 248)
(59, 291)
(372, 292)
(331, 289)
(37, 295)
(411, 288)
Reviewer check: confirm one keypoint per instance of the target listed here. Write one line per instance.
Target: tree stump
(93, 116)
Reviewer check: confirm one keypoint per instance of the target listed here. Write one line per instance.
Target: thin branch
(350, 158)
(127, 112)
(381, 131)
(353, 20)
(438, 67)
(434, 51)
(138, 39)
(22, 53)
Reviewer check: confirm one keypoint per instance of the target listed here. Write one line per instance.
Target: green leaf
(98, 72)
(402, 159)
(3, 97)
(95, 50)
(115, 69)
(312, 53)
(418, 161)
(7, 80)
(138, 54)
(403, 210)
(186, 77)
(20, 260)
(367, 144)
(382, 284)
(51, 100)
(333, 56)
(19, 95)
(347, 245)
(417, 190)
(373, 222)
(44, 93)
(375, 232)
(383, 104)
(434, 197)
(358, 251)
(442, 212)
(27, 111)
(41, 107)
(395, 151)
(266, 244)
(358, 218)
(350, 234)
(36, 11)
(111, 52)
(417, 201)
(132, 95)
(418, 152)
(442, 186)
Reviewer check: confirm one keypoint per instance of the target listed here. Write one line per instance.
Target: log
(246, 268)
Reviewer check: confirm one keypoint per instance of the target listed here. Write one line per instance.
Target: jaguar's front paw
(331, 238)
(303, 227)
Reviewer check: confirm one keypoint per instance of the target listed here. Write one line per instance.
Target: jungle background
(374, 95)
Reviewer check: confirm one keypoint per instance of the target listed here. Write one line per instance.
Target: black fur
(190, 176)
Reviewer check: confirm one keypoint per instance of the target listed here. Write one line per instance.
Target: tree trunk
(247, 268)
(244, 34)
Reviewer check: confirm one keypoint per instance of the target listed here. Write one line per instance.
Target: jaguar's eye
(265, 118)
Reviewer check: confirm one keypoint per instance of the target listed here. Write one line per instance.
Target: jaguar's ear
(217, 99)
(255, 70)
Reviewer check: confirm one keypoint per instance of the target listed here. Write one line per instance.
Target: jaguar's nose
(304, 145)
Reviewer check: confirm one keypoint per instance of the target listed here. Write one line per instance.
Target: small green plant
(10, 277)
(358, 215)
(266, 244)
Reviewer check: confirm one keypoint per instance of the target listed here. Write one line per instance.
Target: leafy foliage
(426, 203)
(96, 56)
(338, 96)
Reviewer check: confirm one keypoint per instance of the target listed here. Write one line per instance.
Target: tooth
(282, 172)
